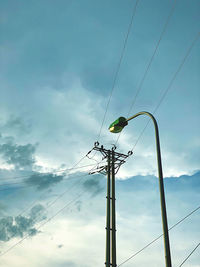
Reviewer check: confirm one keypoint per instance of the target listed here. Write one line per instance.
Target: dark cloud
(43, 181)
(11, 227)
(93, 185)
(21, 156)
(16, 124)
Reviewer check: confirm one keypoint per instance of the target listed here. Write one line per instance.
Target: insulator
(96, 143)
(89, 152)
(114, 147)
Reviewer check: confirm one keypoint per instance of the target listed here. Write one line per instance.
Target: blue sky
(57, 66)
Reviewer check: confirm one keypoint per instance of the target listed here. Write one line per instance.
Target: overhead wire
(177, 71)
(47, 192)
(24, 181)
(154, 240)
(189, 255)
(64, 174)
(169, 85)
(49, 205)
(48, 220)
(148, 66)
(58, 197)
(33, 203)
(153, 55)
(52, 172)
(162, 98)
(41, 225)
(118, 66)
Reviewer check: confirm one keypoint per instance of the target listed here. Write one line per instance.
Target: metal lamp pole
(117, 126)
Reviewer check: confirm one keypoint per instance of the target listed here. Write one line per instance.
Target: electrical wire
(154, 240)
(81, 167)
(59, 196)
(33, 203)
(118, 66)
(42, 224)
(45, 192)
(150, 63)
(169, 85)
(53, 172)
(189, 255)
(56, 199)
(47, 173)
(24, 182)
(152, 57)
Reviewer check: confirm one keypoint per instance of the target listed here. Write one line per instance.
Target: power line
(177, 71)
(37, 228)
(119, 65)
(47, 174)
(48, 220)
(189, 255)
(51, 203)
(53, 172)
(170, 84)
(24, 182)
(59, 196)
(66, 191)
(150, 62)
(56, 199)
(184, 218)
(154, 240)
(81, 167)
(152, 57)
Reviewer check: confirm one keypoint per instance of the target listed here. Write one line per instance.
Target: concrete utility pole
(110, 213)
(114, 161)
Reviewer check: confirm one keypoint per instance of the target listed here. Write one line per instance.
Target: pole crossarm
(119, 158)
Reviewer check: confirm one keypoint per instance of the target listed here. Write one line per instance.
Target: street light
(116, 127)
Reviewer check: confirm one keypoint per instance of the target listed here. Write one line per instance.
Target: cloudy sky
(66, 67)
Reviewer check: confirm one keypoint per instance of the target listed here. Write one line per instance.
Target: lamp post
(117, 127)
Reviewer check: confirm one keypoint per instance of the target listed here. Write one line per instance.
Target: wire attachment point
(96, 143)
(114, 147)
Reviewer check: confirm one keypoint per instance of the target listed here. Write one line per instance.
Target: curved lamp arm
(160, 173)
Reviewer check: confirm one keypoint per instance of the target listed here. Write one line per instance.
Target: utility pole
(113, 215)
(114, 161)
(108, 197)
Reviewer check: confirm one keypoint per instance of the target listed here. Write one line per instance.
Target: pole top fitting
(114, 147)
(96, 143)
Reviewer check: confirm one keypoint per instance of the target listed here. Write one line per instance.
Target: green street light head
(118, 125)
